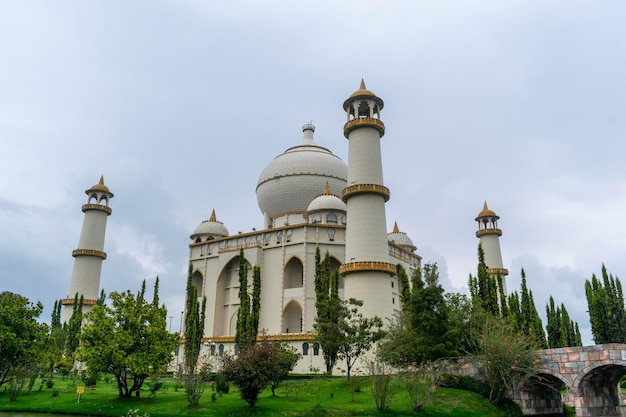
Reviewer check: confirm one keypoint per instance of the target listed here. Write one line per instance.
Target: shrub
(222, 386)
(55, 392)
(49, 383)
(381, 384)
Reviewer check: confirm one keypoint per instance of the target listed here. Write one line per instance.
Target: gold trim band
(495, 271)
(365, 189)
(86, 302)
(483, 232)
(367, 266)
(89, 252)
(364, 122)
(106, 209)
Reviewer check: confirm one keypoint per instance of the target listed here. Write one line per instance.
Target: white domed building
(302, 195)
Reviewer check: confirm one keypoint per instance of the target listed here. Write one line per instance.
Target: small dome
(362, 91)
(210, 229)
(293, 179)
(326, 202)
(100, 186)
(400, 238)
(486, 213)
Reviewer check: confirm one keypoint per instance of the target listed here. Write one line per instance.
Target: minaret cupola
(363, 109)
(487, 222)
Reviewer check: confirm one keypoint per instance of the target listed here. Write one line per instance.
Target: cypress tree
(256, 299)
(606, 308)
(244, 322)
(405, 289)
(195, 314)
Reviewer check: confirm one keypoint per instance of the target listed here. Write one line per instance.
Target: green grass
(315, 397)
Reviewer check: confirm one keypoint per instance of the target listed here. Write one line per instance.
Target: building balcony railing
(367, 266)
(365, 189)
(363, 122)
(86, 302)
(89, 252)
(100, 207)
(483, 232)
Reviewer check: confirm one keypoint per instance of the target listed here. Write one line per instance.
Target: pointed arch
(293, 273)
(197, 280)
(227, 297)
(292, 317)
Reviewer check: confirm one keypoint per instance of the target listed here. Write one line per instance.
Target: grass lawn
(313, 397)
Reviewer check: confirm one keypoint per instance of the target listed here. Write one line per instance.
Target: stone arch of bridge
(602, 373)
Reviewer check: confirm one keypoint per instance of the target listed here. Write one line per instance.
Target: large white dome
(294, 178)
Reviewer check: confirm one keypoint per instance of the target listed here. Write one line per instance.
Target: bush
(465, 383)
(381, 384)
(222, 386)
(55, 392)
(49, 383)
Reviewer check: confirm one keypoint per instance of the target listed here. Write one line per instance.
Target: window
(221, 350)
(305, 349)
(222, 244)
(211, 246)
(212, 349)
(279, 236)
(316, 349)
(331, 218)
(259, 238)
(289, 233)
(240, 241)
(331, 234)
(344, 220)
(316, 218)
(268, 236)
(236, 348)
(229, 243)
(248, 240)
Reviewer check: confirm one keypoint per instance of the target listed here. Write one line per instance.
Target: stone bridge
(590, 374)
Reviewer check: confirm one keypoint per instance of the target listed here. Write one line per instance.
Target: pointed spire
(362, 87)
(327, 189)
(213, 218)
(395, 228)
(101, 182)
(485, 206)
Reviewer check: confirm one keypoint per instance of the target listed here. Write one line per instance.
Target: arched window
(220, 350)
(212, 349)
(331, 234)
(316, 349)
(236, 348)
(331, 218)
(305, 349)
(293, 276)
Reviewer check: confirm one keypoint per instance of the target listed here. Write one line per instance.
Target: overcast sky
(181, 104)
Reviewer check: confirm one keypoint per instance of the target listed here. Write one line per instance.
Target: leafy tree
(605, 300)
(358, 333)
(330, 311)
(22, 338)
(287, 358)
(254, 369)
(129, 339)
(424, 330)
(74, 325)
(195, 314)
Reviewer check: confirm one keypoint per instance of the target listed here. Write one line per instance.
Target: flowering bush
(381, 384)
(507, 358)
(422, 381)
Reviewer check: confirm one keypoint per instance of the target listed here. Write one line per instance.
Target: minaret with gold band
(367, 271)
(489, 236)
(88, 257)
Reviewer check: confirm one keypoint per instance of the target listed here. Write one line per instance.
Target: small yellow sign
(80, 390)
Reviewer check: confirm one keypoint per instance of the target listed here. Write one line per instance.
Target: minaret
(367, 271)
(489, 236)
(90, 253)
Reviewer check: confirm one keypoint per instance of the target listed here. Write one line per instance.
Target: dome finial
(327, 189)
(395, 227)
(213, 218)
(101, 182)
(485, 206)
(362, 87)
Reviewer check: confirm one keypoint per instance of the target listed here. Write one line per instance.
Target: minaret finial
(101, 182)
(485, 206)
(395, 227)
(213, 218)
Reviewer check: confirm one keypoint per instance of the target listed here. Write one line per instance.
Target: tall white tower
(367, 271)
(489, 236)
(88, 257)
